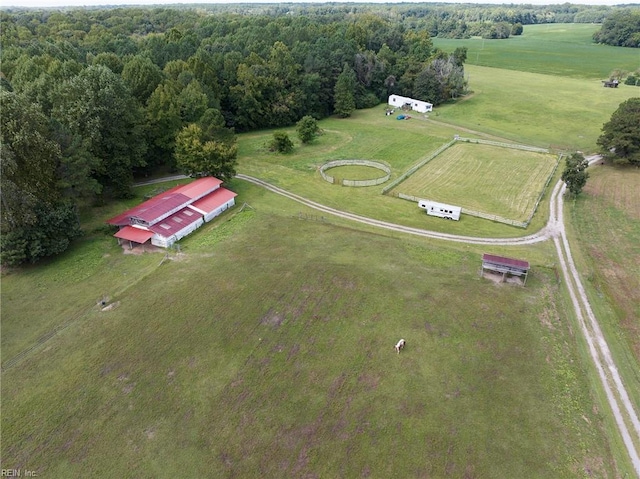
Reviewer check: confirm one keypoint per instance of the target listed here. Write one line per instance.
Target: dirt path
(623, 410)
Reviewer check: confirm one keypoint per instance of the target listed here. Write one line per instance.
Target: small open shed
(505, 266)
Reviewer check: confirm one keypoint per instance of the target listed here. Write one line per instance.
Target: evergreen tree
(620, 139)
(344, 93)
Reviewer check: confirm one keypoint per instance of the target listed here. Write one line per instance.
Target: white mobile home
(417, 105)
(442, 210)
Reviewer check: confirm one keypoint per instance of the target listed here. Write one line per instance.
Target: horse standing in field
(400, 345)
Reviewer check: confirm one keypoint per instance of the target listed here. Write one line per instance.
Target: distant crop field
(494, 180)
(554, 49)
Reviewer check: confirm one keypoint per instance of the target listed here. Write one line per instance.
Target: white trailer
(442, 210)
(417, 105)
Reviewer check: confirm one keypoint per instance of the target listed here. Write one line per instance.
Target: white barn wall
(167, 241)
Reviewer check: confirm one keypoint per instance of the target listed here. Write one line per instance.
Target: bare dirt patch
(141, 249)
(272, 318)
(369, 381)
(499, 279)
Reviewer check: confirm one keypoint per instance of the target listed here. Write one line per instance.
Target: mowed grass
(267, 351)
(370, 135)
(500, 181)
(565, 50)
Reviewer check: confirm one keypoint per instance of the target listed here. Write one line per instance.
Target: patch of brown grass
(608, 227)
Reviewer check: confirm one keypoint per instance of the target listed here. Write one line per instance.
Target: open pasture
(494, 180)
(266, 350)
(548, 111)
(559, 49)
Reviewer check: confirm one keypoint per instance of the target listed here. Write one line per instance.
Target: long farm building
(172, 215)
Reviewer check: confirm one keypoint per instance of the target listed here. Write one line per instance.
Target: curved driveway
(623, 410)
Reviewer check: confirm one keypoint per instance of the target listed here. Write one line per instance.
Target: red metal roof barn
(173, 214)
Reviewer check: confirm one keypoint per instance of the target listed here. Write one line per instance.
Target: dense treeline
(621, 29)
(90, 98)
(93, 97)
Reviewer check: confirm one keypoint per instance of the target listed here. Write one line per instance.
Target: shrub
(281, 143)
(307, 129)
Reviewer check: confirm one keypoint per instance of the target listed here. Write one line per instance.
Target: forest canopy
(620, 29)
(94, 97)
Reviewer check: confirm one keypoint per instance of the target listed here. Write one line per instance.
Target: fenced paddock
(497, 181)
(367, 164)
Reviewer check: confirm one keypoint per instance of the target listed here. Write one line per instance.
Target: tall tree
(96, 107)
(440, 81)
(28, 160)
(620, 138)
(344, 94)
(574, 174)
(621, 28)
(142, 77)
(35, 221)
(163, 121)
(193, 102)
(199, 154)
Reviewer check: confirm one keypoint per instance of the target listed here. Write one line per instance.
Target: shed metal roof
(176, 222)
(200, 187)
(214, 200)
(152, 208)
(508, 262)
(137, 235)
(160, 205)
(167, 202)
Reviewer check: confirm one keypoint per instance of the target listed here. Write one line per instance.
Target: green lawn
(354, 172)
(543, 110)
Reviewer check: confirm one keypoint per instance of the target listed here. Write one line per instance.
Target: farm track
(622, 408)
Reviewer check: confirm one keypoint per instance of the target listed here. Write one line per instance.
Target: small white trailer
(417, 105)
(442, 210)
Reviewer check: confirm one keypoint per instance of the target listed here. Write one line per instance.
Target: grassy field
(565, 50)
(265, 348)
(273, 358)
(606, 221)
(500, 181)
(370, 135)
(543, 110)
